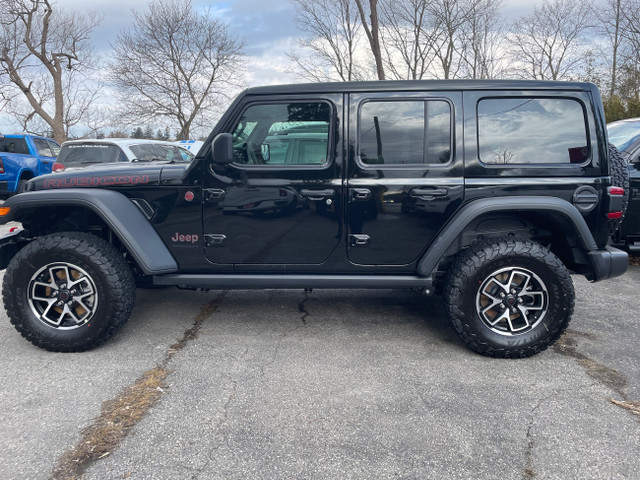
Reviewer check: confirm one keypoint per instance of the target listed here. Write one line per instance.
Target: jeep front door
(276, 204)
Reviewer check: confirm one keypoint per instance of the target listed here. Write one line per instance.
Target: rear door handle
(428, 193)
(360, 194)
(316, 195)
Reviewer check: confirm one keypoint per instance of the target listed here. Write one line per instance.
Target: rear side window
(517, 131)
(399, 133)
(14, 145)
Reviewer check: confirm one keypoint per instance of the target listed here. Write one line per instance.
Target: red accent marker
(13, 229)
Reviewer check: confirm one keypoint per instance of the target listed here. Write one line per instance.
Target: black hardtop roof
(416, 85)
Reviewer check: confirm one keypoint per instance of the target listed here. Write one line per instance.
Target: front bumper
(609, 262)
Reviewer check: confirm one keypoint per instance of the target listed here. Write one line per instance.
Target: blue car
(23, 157)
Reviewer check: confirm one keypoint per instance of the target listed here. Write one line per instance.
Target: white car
(192, 145)
(83, 153)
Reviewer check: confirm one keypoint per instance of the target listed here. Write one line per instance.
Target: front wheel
(509, 297)
(68, 292)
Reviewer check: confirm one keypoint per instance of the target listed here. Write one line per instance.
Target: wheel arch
(114, 210)
(534, 218)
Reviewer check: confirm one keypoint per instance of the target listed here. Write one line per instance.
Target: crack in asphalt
(529, 473)
(303, 310)
(261, 373)
(120, 414)
(611, 378)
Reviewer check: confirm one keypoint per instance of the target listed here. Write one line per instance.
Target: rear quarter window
(14, 145)
(532, 131)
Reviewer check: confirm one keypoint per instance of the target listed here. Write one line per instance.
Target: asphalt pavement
(323, 385)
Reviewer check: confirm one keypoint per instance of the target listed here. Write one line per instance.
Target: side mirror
(222, 149)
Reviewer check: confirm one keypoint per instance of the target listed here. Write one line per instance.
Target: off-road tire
(90, 260)
(467, 281)
(619, 178)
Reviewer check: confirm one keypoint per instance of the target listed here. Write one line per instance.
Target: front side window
(283, 135)
(43, 147)
(412, 132)
(55, 148)
(532, 131)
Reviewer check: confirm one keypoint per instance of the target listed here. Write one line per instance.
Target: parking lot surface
(328, 384)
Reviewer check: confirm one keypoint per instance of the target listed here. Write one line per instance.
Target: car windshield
(80, 154)
(149, 152)
(623, 134)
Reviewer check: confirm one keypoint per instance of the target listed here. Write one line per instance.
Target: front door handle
(317, 195)
(428, 193)
(211, 194)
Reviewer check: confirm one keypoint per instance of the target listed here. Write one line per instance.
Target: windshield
(623, 134)
(80, 154)
(149, 152)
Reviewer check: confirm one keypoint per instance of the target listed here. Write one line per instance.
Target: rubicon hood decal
(107, 180)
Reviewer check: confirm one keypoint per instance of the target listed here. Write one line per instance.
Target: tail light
(57, 167)
(1, 167)
(616, 197)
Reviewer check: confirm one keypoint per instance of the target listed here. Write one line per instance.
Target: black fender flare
(121, 215)
(474, 209)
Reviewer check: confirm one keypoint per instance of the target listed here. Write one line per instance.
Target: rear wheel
(509, 297)
(68, 292)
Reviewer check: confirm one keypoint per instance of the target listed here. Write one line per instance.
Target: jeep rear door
(277, 205)
(405, 173)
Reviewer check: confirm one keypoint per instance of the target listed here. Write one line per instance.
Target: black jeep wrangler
(488, 193)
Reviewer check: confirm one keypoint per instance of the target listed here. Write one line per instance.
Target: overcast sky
(267, 26)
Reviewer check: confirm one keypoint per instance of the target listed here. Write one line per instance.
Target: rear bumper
(609, 262)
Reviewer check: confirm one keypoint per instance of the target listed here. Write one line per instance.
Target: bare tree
(630, 50)
(336, 27)
(407, 38)
(480, 41)
(447, 19)
(609, 25)
(45, 59)
(372, 30)
(334, 42)
(174, 64)
(549, 41)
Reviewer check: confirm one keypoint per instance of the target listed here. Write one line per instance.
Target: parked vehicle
(82, 153)
(367, 184)
(23, 157)
(192, 146)
(625, 135)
